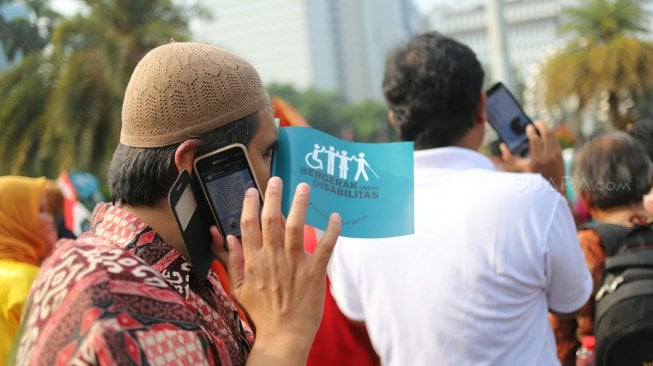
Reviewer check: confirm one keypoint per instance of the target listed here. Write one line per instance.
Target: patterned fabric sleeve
(568, 333)
(595, 257)
(99, 305)
(162, 345)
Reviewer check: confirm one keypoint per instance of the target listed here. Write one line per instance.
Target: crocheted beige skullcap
(180, 90)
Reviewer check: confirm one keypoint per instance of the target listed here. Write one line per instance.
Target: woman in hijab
(27, 235)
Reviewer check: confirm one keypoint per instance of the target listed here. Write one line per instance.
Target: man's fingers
(271, 217)
(548, 139)
(534, 142)
(235, 263)
(325, 247)
(294, 243)
(219, 246)
(249, 222)
(506, 154)
(542, 128)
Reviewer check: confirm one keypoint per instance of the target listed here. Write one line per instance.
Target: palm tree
(27, 34)
(84, 77)
(605, 61)
(25, 87)
(24, 90)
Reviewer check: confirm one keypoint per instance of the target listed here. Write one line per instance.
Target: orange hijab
(19, 209)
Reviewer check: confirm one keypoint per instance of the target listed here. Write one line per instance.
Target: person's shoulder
(93, 254)
(523, 184)
(89, 271)
(84, 246)
(589, 236)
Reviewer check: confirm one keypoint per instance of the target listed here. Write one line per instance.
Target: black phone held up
(507, 118)
(190, 212)
(223, 176)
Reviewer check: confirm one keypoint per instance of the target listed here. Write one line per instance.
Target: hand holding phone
(224, 175)
(507, 118)
(545, 156)
(213, 196)
(279, 271)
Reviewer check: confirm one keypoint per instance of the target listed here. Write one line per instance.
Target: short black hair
(612, 170)
(433, 85)
(143, 176)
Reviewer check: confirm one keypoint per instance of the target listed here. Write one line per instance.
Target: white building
(531, 28)
(326, 44)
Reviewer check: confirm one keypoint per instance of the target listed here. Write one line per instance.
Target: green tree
(329, 112)
(370, 122)
(324, 110)
(76, 122)
(604, 59)
(286, 92)
(27, 34)
(24, 90)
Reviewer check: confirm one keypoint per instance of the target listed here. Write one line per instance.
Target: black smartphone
(224, 175)
(190, 213)
(506, 116)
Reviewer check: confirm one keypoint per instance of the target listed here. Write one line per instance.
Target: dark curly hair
(432, 85)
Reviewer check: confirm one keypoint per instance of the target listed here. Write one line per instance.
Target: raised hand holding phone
(211, 200)
(280, 285)
(224, 175)
(545, 156)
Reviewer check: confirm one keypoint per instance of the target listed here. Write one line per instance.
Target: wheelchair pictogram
(316, 160)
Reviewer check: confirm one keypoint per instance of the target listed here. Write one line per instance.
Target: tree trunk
(616, 119)
(576, 120)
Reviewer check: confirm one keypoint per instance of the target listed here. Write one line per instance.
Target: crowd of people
(497, 271)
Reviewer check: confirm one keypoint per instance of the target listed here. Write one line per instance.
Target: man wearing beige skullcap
(125, 292)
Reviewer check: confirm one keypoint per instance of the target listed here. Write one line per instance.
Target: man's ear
(185, 155)
(480, 115)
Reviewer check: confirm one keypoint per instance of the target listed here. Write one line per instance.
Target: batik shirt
(569, 332)
(121, 295)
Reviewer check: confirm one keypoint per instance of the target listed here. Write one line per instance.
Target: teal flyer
(369, 184)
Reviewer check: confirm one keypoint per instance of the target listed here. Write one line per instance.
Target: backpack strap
(612, 236)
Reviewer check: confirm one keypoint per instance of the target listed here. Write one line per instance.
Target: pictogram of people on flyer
(316, 160)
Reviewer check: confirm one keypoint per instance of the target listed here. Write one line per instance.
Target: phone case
(507, 118)
(190, 212)
(232, 154)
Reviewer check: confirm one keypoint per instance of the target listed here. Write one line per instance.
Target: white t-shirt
(491, 254)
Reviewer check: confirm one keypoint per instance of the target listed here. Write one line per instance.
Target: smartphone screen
(508, 118)
(224, 176)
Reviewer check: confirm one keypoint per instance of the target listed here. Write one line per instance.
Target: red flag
(287, 114)
(74, 212)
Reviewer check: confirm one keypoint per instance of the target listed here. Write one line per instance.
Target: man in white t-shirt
(493, 252)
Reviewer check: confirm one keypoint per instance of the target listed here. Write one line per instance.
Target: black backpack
(623, 313)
